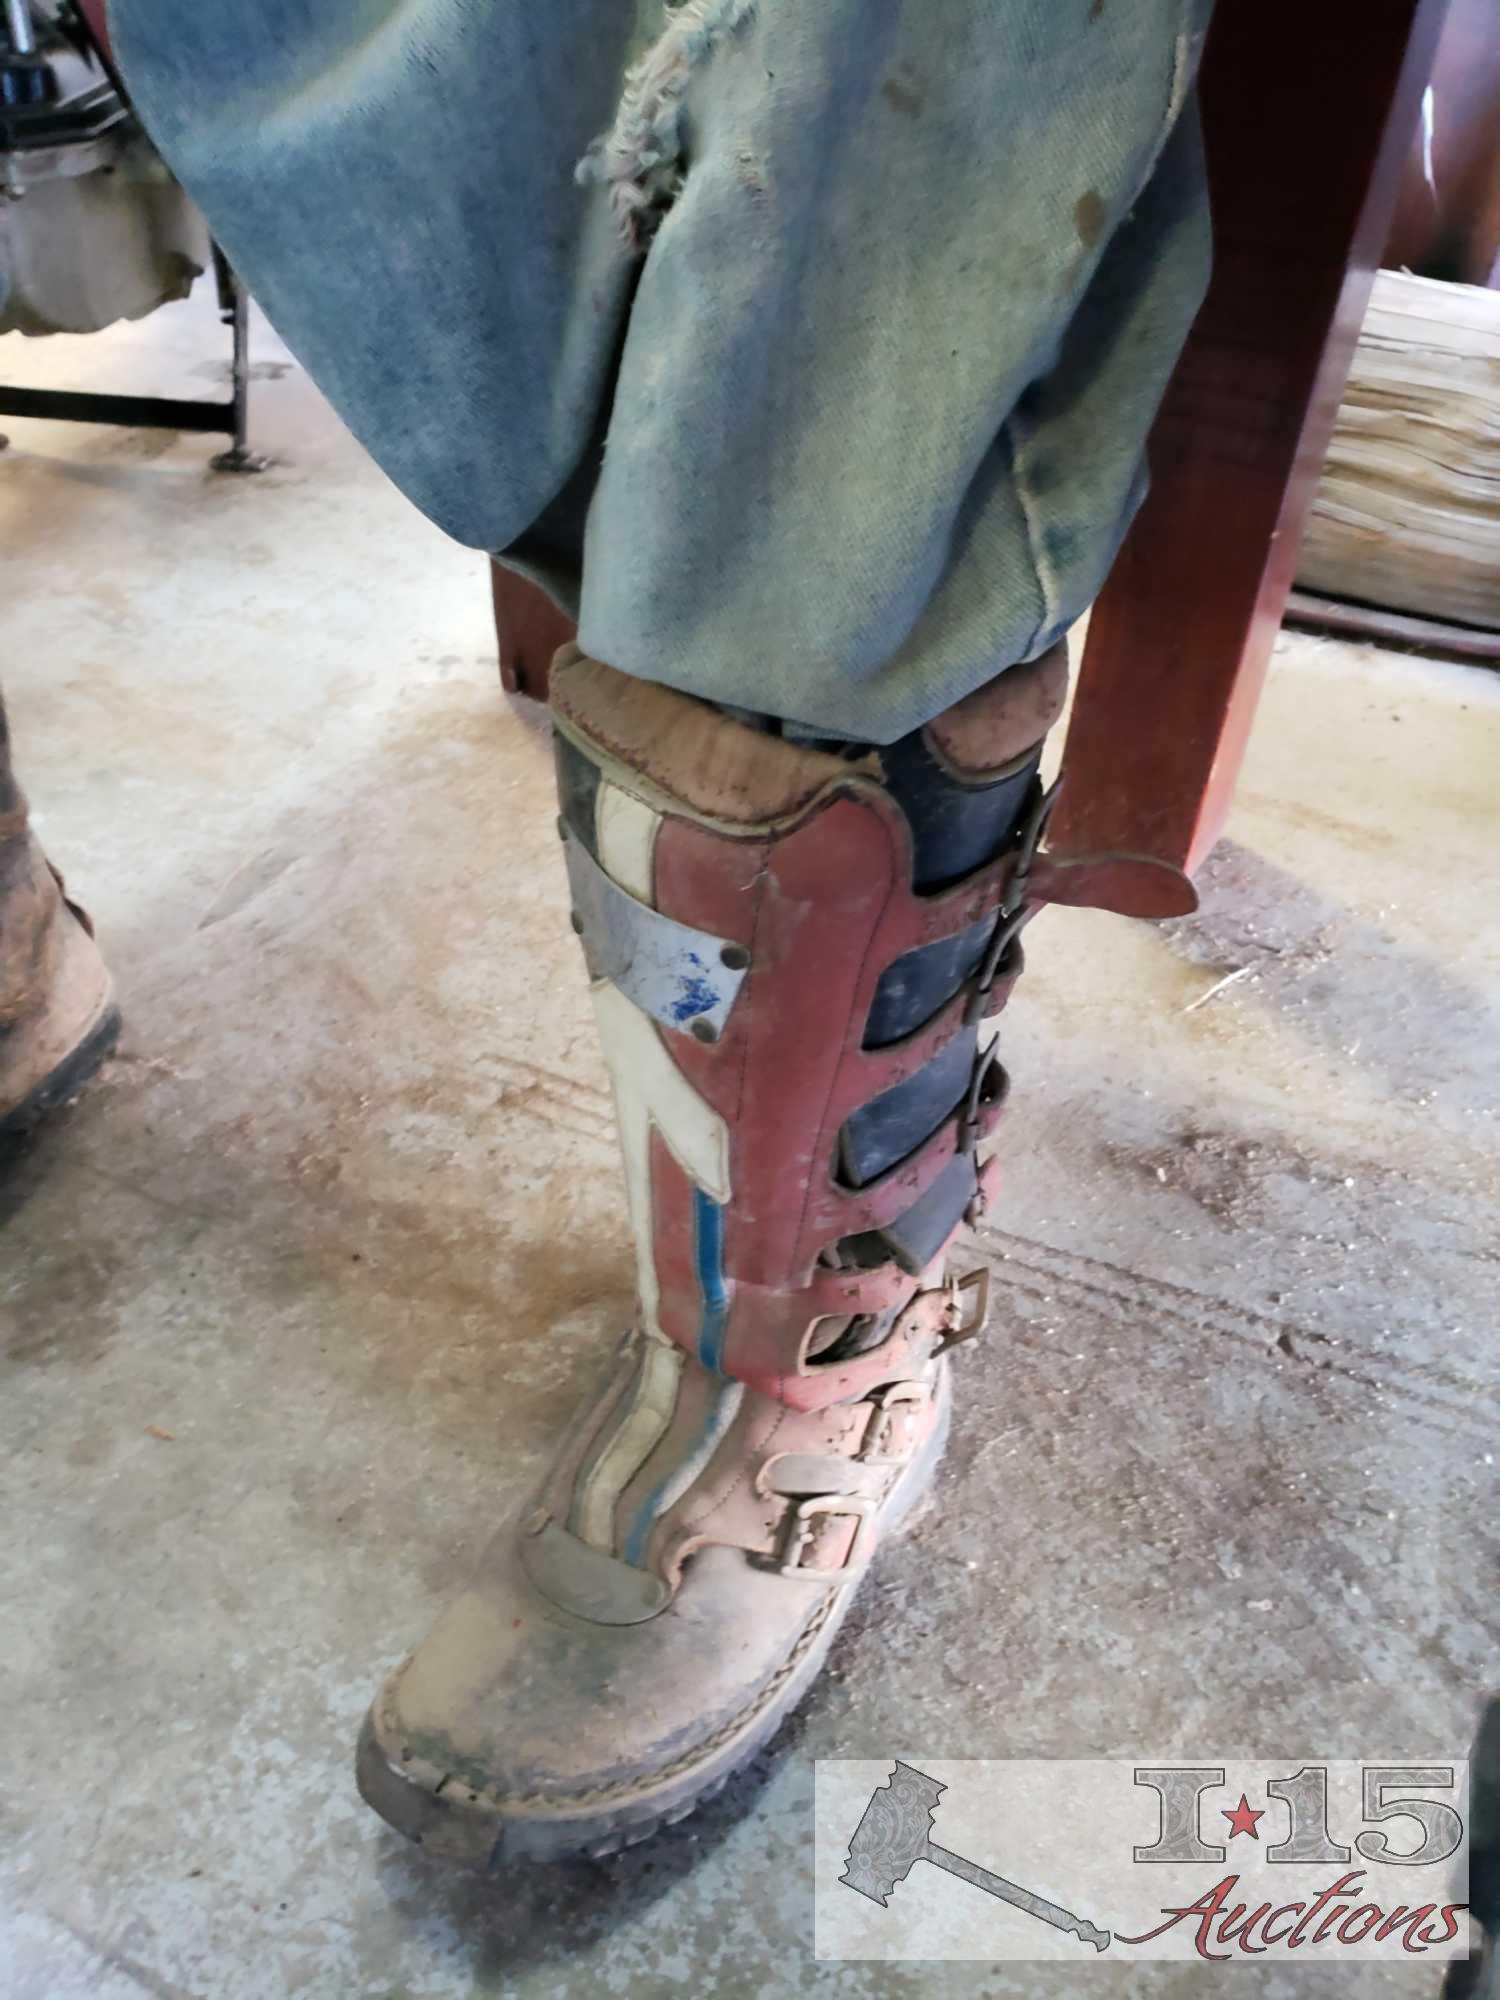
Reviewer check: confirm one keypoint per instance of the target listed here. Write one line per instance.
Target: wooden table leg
(1308, 112)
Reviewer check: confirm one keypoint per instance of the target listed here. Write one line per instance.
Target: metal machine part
(18, 20)
(93, 228)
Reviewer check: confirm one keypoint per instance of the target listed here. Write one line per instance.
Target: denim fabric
(856, 423)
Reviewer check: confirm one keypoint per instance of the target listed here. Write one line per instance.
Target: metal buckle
(967, 1309)
(1031, 839)
(884, 1404)
(856, 1506)
(987, 1064)
(1012, 914)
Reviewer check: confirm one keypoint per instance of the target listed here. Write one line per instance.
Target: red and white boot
(795, 955)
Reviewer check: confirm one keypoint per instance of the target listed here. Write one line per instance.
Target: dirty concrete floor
(294, 1299)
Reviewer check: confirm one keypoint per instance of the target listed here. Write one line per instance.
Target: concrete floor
(295, 1297)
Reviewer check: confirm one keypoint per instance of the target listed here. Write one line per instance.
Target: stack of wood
(1407, 514)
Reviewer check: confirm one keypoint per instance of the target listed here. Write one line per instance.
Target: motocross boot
(796, 953)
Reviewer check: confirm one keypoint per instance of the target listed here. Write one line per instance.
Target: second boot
(57, 1014)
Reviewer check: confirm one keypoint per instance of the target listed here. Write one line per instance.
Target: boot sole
(69, 1077)
(489, 1840)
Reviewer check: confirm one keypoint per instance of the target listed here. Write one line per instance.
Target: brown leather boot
(58, 1020)
(797, 954)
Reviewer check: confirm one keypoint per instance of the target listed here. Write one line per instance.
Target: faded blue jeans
(805, 349)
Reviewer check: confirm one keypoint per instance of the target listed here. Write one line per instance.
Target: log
(1407, 513)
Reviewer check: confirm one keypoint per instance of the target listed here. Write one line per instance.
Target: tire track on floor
(1136, 1298)
(563, 1103)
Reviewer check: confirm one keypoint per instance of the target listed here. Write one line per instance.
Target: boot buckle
(966, 1308)
(887, 1407)
(801, 1527)
(1011, 917)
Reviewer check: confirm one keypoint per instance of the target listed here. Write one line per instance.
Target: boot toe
(517, 1730)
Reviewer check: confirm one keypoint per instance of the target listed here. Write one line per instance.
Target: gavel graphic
(894, 1835)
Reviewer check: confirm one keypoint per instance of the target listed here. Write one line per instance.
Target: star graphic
(1242, 1819)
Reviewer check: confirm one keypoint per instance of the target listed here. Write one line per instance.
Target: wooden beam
(1308, 112)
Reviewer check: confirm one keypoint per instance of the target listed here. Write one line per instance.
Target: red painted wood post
(1308, 113)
